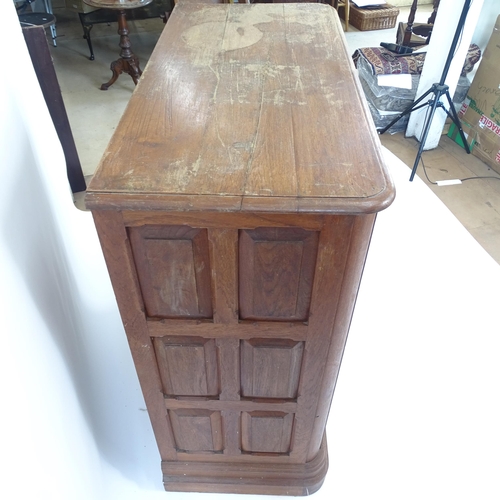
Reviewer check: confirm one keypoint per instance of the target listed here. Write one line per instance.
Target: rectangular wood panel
(276, 271)
(270, 368)
(173, 266)
(266, 432)
(188, 366)
(197, 430)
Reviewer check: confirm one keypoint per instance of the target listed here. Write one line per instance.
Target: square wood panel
(197, 430)
(270, 368)
(266, 431)
(188, 366)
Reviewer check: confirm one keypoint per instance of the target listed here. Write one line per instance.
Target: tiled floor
(94, 115)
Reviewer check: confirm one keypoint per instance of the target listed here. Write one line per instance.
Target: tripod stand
(437, 91)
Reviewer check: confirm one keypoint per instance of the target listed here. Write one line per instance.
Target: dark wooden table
(235, 205)
(159, 9)
(128, 62)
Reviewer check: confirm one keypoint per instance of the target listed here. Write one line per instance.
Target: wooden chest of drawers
(235, 205)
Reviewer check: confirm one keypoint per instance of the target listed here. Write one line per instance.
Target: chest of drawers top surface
(246, 108)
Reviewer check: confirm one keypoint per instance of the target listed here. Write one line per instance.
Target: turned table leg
(128, 61)
(409, 25)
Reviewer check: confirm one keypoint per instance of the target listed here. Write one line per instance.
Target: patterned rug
(385, 62)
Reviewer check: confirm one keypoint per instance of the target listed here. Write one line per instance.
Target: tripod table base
(130, 66)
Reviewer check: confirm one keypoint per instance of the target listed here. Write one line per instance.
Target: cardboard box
(454, 134)
(79, 6)
(481, 109)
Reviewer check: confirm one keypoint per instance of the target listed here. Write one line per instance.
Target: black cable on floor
(483, 177)
(461, 180)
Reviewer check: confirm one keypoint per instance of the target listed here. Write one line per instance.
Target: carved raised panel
(266, 431)
(197, 430)
(270, 368)
(187, 365)
(173, 266)
(276, 271)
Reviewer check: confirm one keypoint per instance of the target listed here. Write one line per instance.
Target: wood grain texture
(224, 266)
(282, 74)
(173, 265)
(246, 329)
(118, 255)
(264, 476)
(276, 273)
(197, 430)
(239, 406)
(222, 220)
(333, 251)
(270, 368)
(266, 432)
(235, 205)
(358, 248)
(188, 366)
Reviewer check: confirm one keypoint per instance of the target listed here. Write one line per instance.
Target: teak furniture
(234, 205)
(347, 6)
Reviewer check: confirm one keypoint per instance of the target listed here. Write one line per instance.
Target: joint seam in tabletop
(294, 61)
(257, 128)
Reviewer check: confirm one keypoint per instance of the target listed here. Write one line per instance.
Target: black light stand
(437, 90)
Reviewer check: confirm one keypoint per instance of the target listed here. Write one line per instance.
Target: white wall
(486, 22)
(64, 361)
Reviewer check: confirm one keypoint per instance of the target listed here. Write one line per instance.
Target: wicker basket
(372, 19)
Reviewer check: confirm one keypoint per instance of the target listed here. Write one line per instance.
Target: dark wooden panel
(173, 265)
(276, 273)
(188, 366)
(223, 219)
(266, 432)
(270, 368)
(224, 265)
(197, 430)
(41, 58)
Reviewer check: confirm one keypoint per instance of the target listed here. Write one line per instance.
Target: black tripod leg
(453, 115)
(407, 111)
(425, 132)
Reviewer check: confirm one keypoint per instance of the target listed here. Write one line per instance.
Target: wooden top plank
(246, 108)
